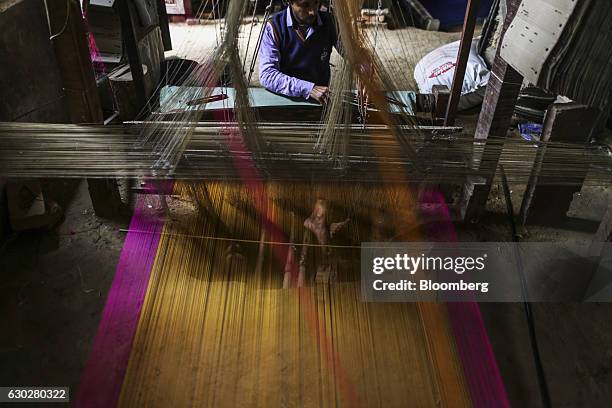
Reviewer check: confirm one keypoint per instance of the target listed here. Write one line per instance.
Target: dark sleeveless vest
(309, 59)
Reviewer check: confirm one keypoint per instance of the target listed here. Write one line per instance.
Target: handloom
(217, 330)
(243, 341)
(286, 153)
(253, 297)
(183, 140)
(173, 141)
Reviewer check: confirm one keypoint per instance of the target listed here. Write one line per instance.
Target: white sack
(438, 68)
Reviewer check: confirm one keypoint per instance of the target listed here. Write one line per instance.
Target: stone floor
(53, 287)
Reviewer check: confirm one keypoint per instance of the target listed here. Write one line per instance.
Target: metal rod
(259, 38)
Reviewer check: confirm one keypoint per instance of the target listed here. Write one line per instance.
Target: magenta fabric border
(104, 371)
(482, 374)
(477, 358)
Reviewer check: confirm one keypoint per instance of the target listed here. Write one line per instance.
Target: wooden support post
(188, 8)
(105, 197)
(123, 85)
(604, 233)
(488, 28)
(3, 211)
(164, 24)
(469, 24)
(72, 54)
(564, 122)
(130, 41)
(441, 95)
(74, 60)
(497, 108)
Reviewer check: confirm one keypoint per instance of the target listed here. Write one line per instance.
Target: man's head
(305, 11)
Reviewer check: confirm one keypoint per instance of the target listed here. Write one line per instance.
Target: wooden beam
(565, 123)
(441, 96)
(130, 41)
(604, 233)
(467, 34)
(4, 225)
(105, 197)
(74, 60)
(69, 38)
(497, 109)
(164, 24)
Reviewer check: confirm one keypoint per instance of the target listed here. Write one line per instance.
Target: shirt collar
(290, 19)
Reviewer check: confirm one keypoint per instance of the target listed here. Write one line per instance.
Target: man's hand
(320, 94)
